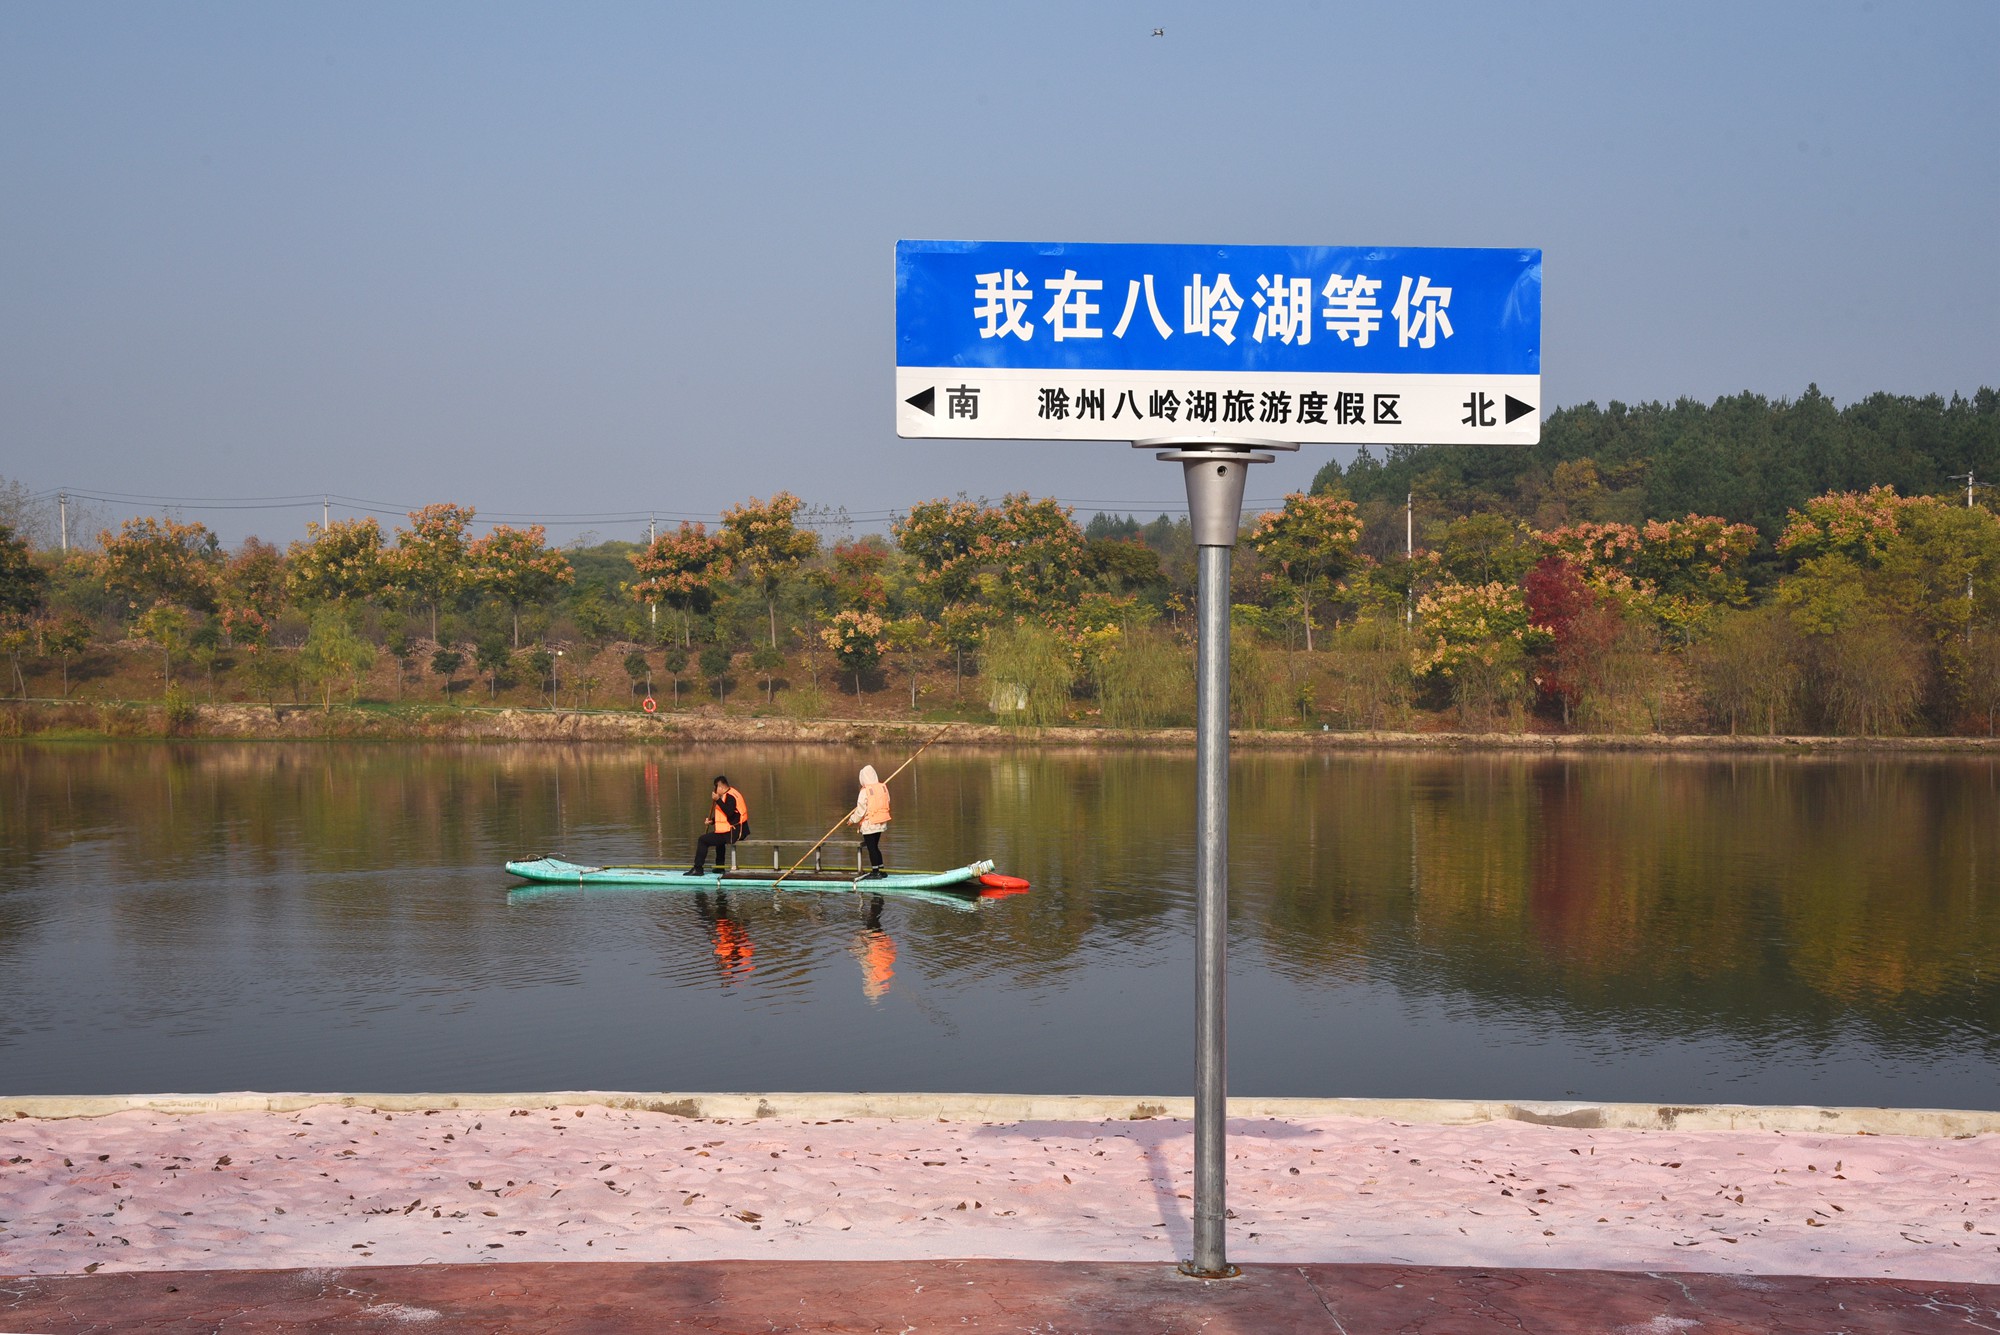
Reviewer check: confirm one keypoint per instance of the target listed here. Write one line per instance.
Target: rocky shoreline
(70, 720)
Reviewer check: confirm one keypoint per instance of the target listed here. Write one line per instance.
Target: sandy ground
(334, 1186)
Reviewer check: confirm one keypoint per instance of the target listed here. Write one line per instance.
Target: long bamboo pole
(843, 820)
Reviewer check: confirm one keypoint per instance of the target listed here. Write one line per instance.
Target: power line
(105, 495)
(177, 504)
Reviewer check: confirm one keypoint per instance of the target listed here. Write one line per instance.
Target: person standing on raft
(871, 813)
(728, 821)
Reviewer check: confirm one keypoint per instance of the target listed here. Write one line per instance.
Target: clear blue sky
(567, 259)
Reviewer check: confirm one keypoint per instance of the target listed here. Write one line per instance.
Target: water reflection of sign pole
(1215, 471)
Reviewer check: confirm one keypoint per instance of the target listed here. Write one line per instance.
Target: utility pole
(62, 510)
(325, 513)
(1969, 485)
(1409, 558)
(652, 536)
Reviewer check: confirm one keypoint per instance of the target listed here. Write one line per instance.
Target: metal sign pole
(1215, 471)
(1015, 340)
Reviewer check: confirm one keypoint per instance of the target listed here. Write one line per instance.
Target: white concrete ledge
(1935, 1122)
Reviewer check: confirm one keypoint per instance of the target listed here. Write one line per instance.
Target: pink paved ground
(354, 1187)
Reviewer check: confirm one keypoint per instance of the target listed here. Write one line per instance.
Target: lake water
(208, 917)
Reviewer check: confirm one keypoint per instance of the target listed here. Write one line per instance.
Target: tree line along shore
(1749, 566)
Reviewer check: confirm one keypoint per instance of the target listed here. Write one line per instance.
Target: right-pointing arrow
(1516, 408)
(926, 401)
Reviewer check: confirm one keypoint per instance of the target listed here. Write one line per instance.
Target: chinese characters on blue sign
(1115, 342)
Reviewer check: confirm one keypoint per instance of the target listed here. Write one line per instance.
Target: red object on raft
(992, 884)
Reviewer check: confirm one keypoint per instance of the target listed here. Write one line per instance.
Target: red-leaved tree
(1582, 626)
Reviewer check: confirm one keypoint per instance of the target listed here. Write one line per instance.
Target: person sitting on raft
(728, 821)
(871, 813)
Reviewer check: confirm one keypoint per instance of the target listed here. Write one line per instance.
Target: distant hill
(1746, 458)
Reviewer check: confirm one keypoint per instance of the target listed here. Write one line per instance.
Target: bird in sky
(1159, 32)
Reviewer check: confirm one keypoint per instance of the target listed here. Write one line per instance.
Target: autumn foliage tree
(1475, 637)
(1869, 609)
(516, 566)
(1311, 541)
(429, 556)
(1034, 557)
(856, 638)
(153, 560)
(1887, 594)
(764, 542)
(341, 562)
(1679, 572)
(1580, 625)
(1692, 567)
(255, 583)
(856, 576)
(684, 570)
(943, 539)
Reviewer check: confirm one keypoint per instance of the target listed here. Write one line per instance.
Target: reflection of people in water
(875, 952)
(733, 949)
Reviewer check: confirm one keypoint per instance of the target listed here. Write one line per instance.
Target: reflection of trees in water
(1758, 894)
(1319, 862)
(1088, 831)
(1754, 895)
(19, 920)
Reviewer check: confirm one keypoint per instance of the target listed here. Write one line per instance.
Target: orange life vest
(875, 807)
(722, 825)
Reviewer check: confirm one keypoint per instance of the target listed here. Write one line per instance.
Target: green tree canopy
(333, 650)
(1745, 458)
(23, 584)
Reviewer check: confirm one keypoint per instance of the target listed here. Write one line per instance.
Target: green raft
(558, 871)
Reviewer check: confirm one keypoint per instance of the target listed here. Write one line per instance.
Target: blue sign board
(1026, 340)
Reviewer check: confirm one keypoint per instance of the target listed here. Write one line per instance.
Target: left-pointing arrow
(925, 401)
